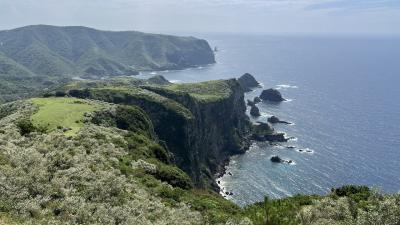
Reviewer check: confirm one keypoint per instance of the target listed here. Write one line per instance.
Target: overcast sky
(186, 16)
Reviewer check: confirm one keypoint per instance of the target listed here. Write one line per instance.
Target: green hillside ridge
(115, 170)
(51, 50)
(50, 53)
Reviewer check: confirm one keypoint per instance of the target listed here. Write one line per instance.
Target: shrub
(60, 94)
(26, 127)
(173, 176)
(356, 193)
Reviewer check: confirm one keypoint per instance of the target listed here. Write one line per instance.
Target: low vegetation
(66, 160)
(205, 91)
(62, 113)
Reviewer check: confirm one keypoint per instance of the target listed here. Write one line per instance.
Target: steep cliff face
(201, 124)
(218, 130)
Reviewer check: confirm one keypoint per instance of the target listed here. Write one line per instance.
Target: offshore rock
(272, 95)
(274, 119)
(255, 111)
(247, 82)
(257, 100)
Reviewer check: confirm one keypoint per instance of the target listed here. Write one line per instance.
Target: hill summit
(51, 50)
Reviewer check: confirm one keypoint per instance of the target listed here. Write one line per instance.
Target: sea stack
(247, 82)
(272, 95)
(255, 111)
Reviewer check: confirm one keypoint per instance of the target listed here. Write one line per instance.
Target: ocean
(344, 103)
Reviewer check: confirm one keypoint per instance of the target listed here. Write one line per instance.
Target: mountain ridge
(75, 49)
(53, 52)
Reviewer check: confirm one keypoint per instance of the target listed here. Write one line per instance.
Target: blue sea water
(344, 102)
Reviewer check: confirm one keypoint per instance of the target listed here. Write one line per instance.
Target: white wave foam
(264, 114)
(305, 151)
(285, 86)
(153, 73)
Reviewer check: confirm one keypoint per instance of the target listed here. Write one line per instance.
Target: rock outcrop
(264, 132)
(272, 95)
(276, 159)
(255, 111)
(247, 82)
(250, 103)
(274, 119)
(257, 100)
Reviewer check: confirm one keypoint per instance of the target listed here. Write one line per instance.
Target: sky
(376, 17)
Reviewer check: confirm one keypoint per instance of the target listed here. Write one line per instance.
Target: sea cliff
(201, 124)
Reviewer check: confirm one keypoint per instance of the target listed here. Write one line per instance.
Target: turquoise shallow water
(344, 102)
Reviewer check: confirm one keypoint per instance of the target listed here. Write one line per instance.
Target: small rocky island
(255, 111)
(277, 159)
(264, 132)
(248, 82)
(272, 95)
(274, 120)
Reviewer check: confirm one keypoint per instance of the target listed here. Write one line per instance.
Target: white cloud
(291, 16)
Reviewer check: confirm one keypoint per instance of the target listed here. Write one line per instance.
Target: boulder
(272, 95)
(273, 119)
(257, 100)
(276, 159)
(254, 111)
(247, 82)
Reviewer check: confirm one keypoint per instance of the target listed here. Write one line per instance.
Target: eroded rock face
(247, 82)
(255, 111)
(272, 95)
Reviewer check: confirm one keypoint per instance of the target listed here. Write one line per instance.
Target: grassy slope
(204, 91)
(62, 112)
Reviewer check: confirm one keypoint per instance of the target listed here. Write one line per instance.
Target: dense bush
(356, 193)
(378, 209)
(54, 179)
(26, 126)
